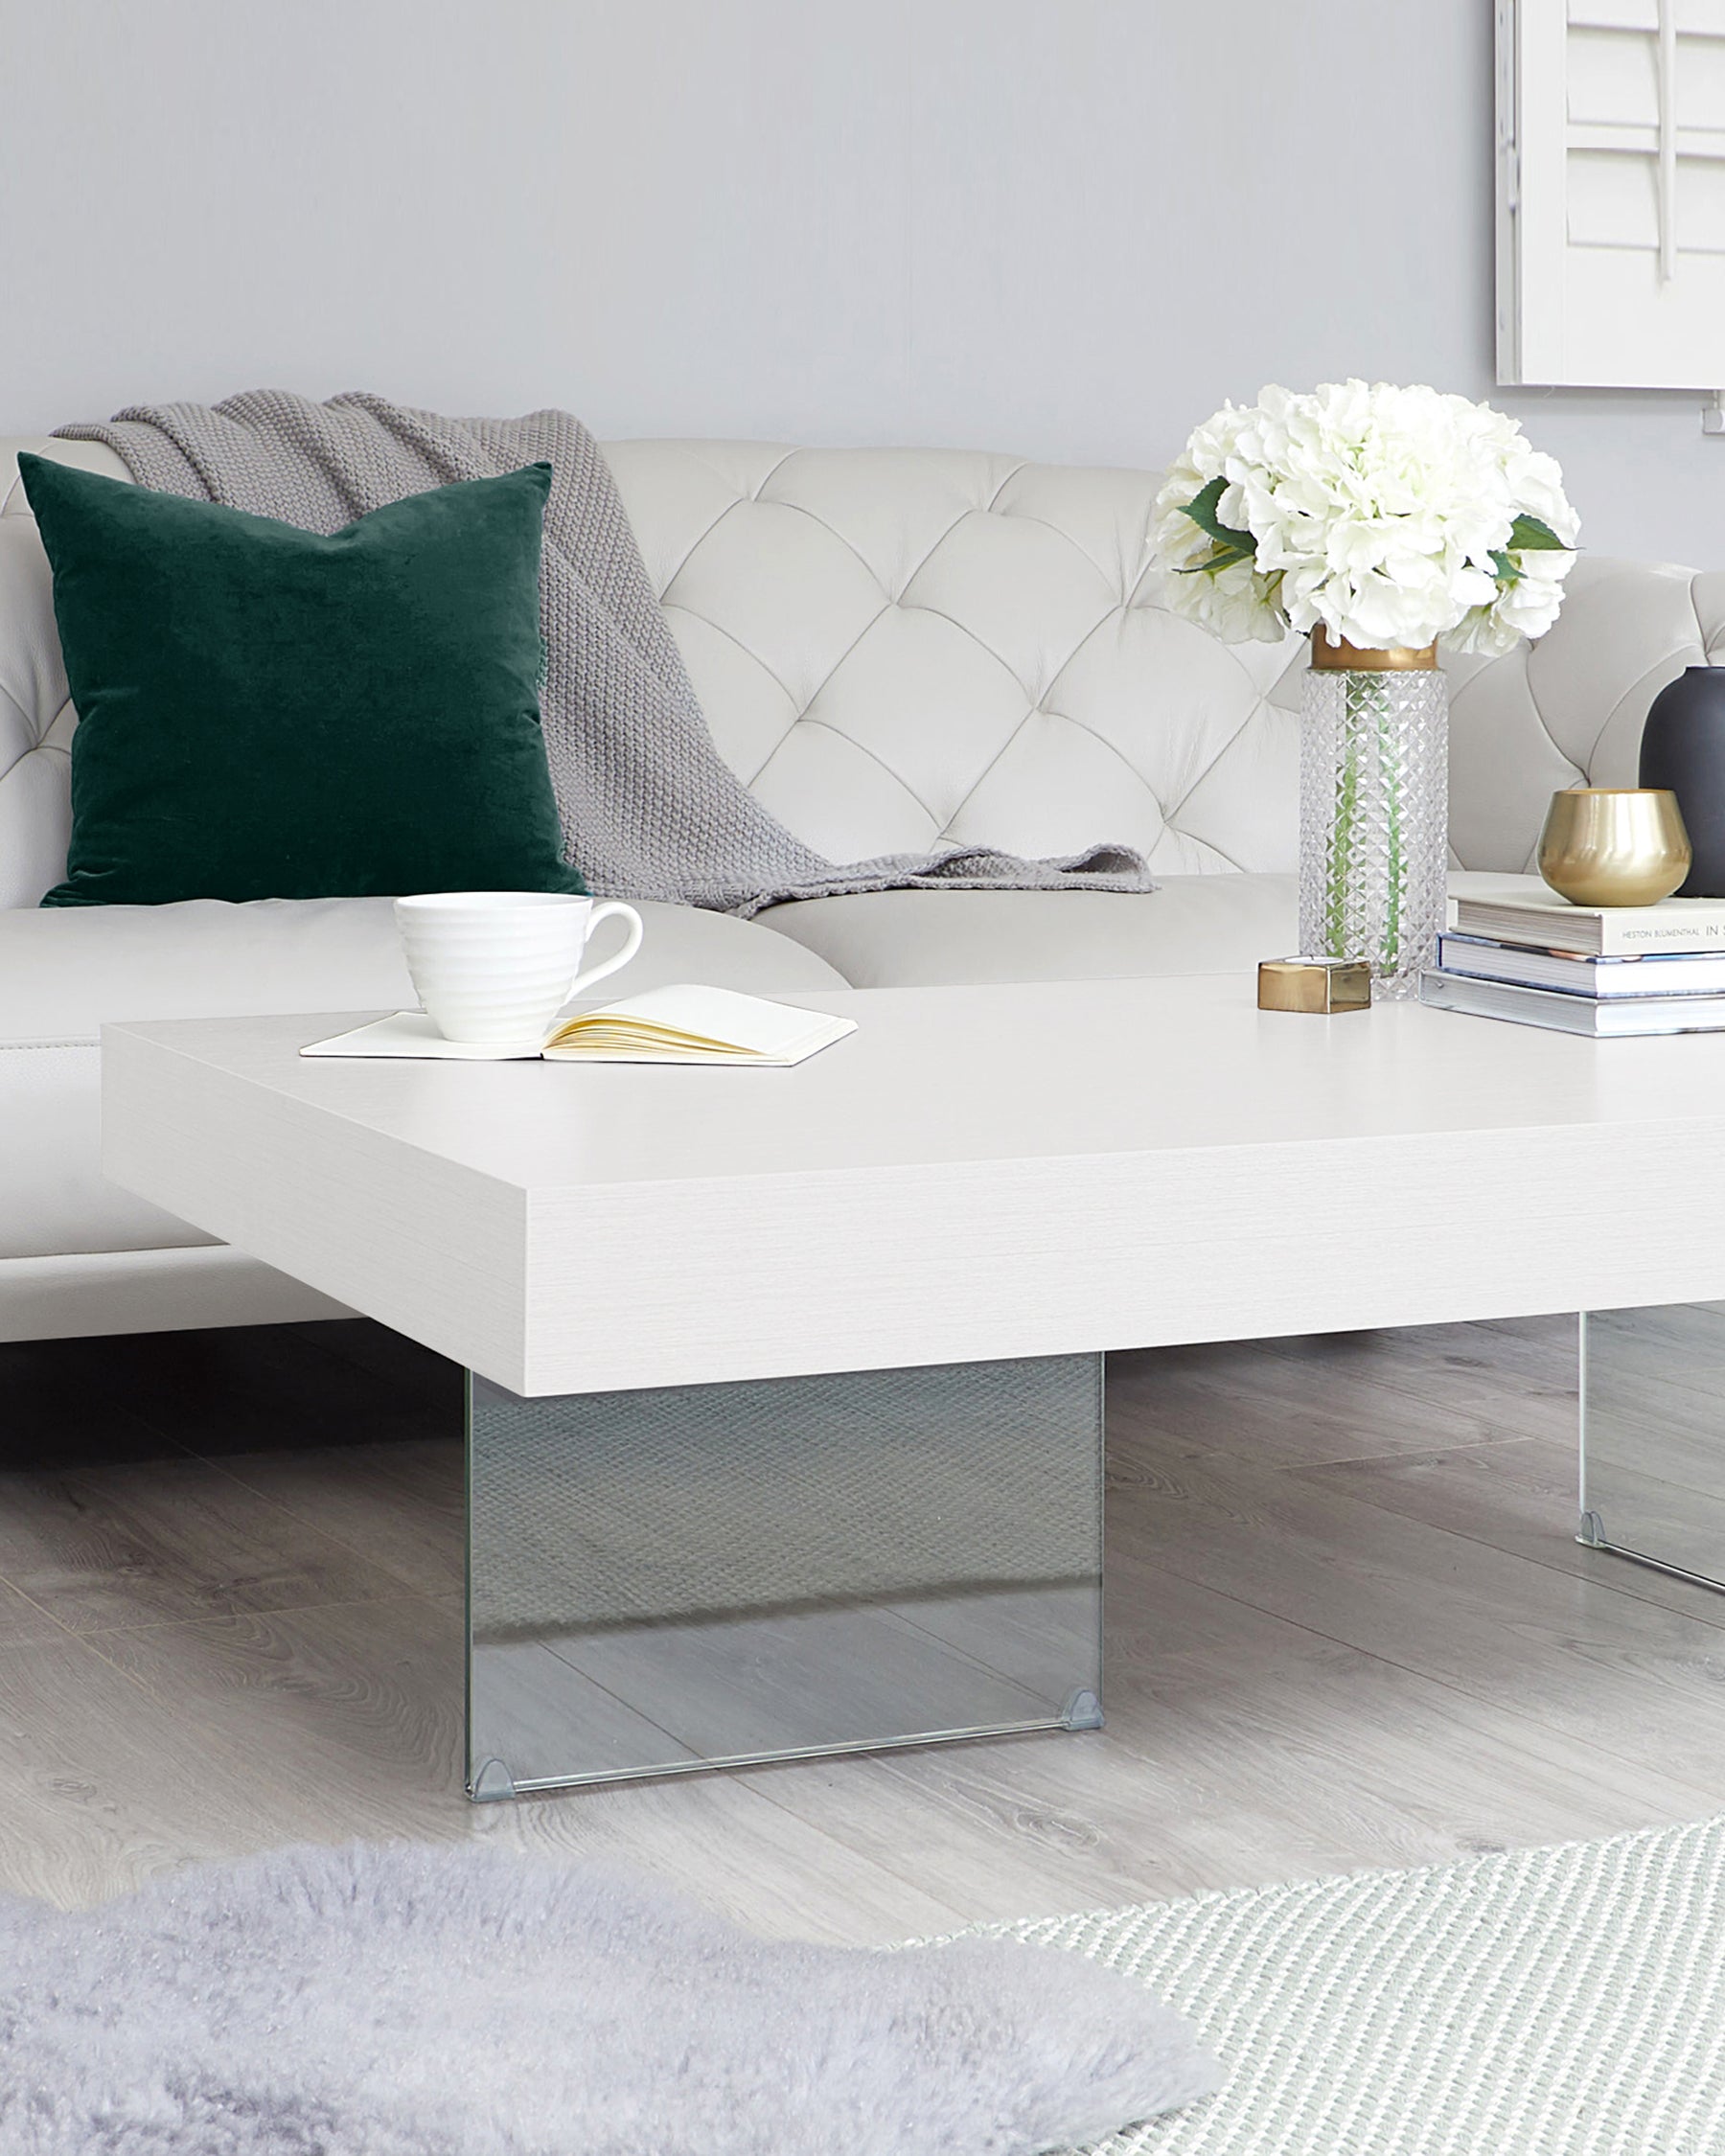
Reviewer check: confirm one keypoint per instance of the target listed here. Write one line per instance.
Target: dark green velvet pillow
(265, 712)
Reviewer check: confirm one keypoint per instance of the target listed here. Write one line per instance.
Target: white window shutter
(1611, 193)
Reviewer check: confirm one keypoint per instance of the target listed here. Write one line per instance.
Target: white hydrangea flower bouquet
(1394, 517)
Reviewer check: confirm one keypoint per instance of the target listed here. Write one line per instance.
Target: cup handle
(631, 942)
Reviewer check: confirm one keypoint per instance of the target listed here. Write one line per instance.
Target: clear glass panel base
(1374, 820)
(707, 1575)
(1653, 1436)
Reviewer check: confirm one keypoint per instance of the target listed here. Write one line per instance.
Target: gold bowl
(1613, 845)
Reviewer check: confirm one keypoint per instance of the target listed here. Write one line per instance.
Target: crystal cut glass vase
(1374, 810)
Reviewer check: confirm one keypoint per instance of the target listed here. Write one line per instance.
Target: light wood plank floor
(1348, 1626)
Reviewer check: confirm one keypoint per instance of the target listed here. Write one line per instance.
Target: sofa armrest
(37, 718)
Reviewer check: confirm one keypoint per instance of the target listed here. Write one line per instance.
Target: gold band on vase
(1353, 658)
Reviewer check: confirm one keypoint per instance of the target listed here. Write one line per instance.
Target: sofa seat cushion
(901, 939)
(1194, 925)
(64, 972)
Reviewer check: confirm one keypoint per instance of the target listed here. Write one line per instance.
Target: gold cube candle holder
(1324, 985)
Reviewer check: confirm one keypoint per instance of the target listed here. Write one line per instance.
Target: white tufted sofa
(893, 648)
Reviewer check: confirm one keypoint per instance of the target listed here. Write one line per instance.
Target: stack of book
(1606, 971)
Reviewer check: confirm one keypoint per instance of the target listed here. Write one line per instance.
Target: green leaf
(1527, 535)
(1508, 569)
(1214, 562)
(1202, 509)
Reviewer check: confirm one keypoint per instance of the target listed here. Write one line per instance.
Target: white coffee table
(785, 1425)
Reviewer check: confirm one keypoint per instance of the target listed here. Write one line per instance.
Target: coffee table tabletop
(977, 1172)
(917, 1244)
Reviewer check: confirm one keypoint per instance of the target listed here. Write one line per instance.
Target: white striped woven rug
(1565, 2002)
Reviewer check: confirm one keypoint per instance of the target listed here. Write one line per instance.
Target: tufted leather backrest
(900, 647)
(896, 648)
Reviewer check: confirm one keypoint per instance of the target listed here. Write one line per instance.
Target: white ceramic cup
(496, 967)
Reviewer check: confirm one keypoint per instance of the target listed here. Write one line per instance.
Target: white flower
(1234, 604)
(1389, 514)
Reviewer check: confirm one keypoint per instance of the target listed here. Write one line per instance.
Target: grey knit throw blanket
(649, 808)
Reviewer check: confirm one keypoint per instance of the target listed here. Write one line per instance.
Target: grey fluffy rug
(409, 2001)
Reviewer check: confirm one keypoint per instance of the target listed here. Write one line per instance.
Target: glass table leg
(1654, 1436)
(712, 1575)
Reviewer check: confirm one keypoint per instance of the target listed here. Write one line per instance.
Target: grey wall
(1064, 227)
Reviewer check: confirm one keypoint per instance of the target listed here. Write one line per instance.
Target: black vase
(1683, 747)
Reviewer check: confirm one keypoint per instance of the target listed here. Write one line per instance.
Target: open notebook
(685, 1024)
